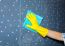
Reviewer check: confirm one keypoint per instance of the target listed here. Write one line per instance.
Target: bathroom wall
(13, 12)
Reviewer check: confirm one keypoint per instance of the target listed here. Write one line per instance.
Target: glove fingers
(28, 17)
(33, 16)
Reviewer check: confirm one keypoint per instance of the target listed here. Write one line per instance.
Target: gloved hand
(35, 26)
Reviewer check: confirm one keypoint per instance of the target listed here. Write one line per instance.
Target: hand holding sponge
(35, 26)
(33, 22)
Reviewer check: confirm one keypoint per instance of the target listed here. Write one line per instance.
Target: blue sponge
(26, 21)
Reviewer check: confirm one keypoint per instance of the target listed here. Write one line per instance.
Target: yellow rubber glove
(35, 26)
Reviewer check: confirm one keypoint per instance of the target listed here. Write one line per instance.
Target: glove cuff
(42, 31)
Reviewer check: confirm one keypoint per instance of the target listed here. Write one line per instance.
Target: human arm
(55, 35)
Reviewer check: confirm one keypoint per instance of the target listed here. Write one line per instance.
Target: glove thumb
(29, 26)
